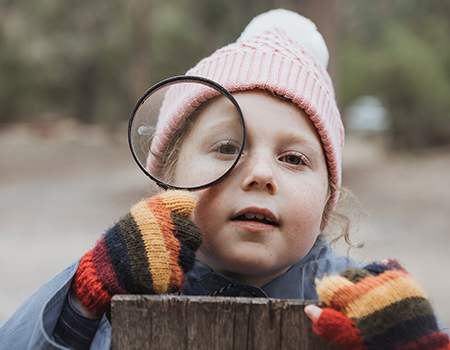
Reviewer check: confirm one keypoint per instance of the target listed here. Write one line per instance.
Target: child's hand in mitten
(148, 251)
(378, 307)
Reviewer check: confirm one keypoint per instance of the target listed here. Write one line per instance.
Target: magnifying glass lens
(186, 133)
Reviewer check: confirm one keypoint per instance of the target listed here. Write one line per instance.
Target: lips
(258, 215)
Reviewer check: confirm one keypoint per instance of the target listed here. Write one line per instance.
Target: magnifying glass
(186, 132)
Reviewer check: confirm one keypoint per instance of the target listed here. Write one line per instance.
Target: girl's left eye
(294, 159)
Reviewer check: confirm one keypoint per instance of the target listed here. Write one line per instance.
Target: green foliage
(91, 60)
(399, 52)
(59, 60)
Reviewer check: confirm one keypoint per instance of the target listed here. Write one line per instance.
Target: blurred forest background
(91, 60)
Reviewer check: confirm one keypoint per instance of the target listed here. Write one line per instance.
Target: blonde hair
(337, 222)
(168, 160)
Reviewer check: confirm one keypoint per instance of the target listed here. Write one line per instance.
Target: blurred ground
(61, 186)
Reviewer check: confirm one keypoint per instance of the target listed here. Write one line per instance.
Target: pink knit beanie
(279, 51)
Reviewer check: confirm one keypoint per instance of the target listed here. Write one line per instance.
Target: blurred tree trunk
(85, 85)
(324, 13)
(140, 62)
(4, 113)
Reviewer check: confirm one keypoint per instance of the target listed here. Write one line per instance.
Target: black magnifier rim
(171, 81)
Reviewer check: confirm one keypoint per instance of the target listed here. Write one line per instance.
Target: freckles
(202, 215)
(309, 195)
(308, 205)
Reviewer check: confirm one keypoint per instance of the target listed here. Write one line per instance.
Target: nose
(259, 174)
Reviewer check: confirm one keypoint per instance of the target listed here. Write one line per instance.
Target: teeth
(251, 216)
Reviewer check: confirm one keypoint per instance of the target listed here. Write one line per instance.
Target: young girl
(258, 231)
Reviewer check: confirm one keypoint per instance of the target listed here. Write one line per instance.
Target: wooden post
(200, 322)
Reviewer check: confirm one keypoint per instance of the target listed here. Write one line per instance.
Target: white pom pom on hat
(295, 25)
(279, 51)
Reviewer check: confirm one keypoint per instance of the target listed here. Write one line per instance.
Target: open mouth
(253, 217)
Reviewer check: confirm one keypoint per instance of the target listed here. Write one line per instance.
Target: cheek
(306, 224)
(206, 210)
(308, 203)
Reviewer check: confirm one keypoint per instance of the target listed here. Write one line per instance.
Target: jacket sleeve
(32, 324)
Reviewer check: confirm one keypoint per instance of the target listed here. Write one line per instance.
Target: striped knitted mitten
(378, 307)
(148, 251)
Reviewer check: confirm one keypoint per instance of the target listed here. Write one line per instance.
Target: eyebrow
(224, 125)
(313, 144)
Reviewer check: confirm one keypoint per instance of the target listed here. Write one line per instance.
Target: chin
(258, 267)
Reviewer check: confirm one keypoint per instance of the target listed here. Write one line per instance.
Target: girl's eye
(227, 148)
(294, 159)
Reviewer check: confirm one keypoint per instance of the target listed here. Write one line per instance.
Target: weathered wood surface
(197, 323)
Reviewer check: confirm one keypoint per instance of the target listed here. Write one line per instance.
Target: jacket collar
(297, 283)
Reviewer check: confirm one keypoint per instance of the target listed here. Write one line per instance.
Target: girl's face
(266, 214)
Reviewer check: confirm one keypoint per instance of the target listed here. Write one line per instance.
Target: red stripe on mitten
(338, 329)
